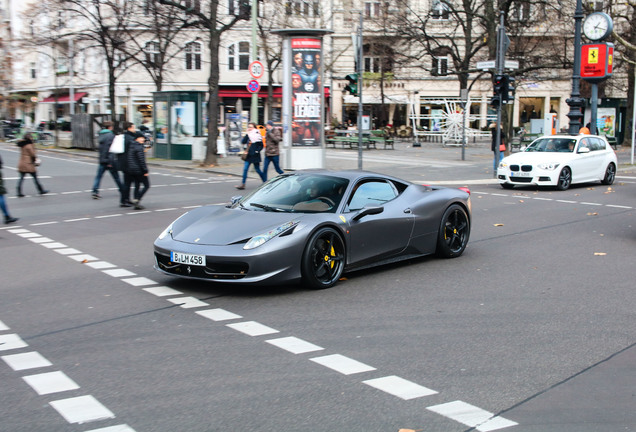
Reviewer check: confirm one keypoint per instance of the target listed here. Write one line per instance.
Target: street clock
(598, 26)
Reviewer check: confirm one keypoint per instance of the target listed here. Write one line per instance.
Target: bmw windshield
(297, 193)
(560, 145)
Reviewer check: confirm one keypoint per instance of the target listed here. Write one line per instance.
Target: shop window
(193, 56)
(239, 56)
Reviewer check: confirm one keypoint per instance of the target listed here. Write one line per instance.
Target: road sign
(256, 69)
(253, 86)
(512, 64)
(490, 64)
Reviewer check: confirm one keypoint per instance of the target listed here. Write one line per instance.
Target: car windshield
(561, 145)
(298, 193)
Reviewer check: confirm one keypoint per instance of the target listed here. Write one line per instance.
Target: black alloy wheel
(610, 175)
(454, 232)
(323, 260)
(565, 179)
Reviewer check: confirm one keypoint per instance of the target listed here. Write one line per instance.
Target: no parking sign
(253, 86)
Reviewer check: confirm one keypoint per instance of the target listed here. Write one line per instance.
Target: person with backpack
(107, 161)
(273, 138)
(254, 141)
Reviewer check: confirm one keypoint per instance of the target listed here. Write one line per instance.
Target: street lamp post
(576, 102)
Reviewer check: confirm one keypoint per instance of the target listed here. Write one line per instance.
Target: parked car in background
(560, 161)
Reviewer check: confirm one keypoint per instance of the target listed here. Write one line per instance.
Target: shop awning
(373, 99)
(64, 98)
(241, 92)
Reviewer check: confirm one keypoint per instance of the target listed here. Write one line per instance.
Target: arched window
(193, 56)
(440, 10)
(239, 56)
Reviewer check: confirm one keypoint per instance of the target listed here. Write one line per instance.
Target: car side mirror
(366, 211)
(234, 200)
(584, 150)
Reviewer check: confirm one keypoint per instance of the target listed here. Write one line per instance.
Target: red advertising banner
(597, 61)
(306, 91)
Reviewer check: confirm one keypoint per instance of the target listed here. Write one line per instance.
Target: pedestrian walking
(28, 164)
(502, 145)
(122, 163)
(107, 160)
(3, 204)
(137, 169)
(254, 141)
(272, 150)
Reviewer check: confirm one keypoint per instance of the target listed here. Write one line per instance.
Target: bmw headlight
(548, 166)
(260, 239)
(503, 164)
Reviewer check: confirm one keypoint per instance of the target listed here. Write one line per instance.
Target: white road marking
(252, 328)
(76, 220)
(45, 223)
(83, 257)
(67, 251)
(3, 326)
(591, 203)
(82, 409)
(11, 341)
(567, 201)
(188, 302)
(400, 387)
(294, 345)
(50, 382)
(27, 235)
(40, 240)
(118, 428)
(218, 314)
(342, 364)
(29, 360)
(162, 291)
(119, 272)
(471, 416)
(619, 206)
(100, 265)
(166, 209)
(54, 245)
(18, 231)
(140, 281)
(108, 216)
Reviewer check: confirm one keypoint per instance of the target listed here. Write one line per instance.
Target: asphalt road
(532, 329)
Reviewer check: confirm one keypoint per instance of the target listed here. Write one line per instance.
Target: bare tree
(625, 35)
(211, 19)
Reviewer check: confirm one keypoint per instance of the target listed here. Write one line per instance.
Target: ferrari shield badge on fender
(342, 218)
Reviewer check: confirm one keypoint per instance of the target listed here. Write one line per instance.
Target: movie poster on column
(306, 91)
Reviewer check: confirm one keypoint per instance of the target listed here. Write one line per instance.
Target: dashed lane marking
(25, 361)
(86, 408)
(50, 382)
(564, 201)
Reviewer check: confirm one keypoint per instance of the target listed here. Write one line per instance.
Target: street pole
(500, 63)
(633, 132)
(575, 101)
(360, 107)
(254, 106)
(71, 72)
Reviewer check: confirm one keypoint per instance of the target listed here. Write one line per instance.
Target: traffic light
(500, 87)
(512, 88)
(495, 101)
(352, 87)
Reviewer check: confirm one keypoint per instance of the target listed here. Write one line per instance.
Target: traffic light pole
(360, 107)
(501, 61)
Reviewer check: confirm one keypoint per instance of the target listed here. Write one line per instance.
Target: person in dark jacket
(137, 169)
(254, 141)
(27, 164)
(3, 204)
(122, 163)
(272, 153)
(106, 159)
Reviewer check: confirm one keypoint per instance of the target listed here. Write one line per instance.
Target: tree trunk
(213, 99)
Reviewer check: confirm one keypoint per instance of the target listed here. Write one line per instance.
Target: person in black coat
(137, 169)
(122, 163)
(254, 141)
(106, 159)
(3, 204)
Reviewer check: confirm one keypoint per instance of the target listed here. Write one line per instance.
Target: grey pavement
(430, 162)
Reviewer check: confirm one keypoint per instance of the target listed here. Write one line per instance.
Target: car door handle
(407, 210)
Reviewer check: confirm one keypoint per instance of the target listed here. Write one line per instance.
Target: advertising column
(303, 99)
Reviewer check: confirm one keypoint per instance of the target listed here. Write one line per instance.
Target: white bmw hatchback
(559, 160)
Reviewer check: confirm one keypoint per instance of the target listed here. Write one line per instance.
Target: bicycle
(45, 139)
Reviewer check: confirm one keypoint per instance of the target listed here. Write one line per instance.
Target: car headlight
(260, 239)
(168, 230)
(548, 166)
(503, 164)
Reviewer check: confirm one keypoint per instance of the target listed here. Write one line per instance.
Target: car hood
(533, 158)
(219, 225)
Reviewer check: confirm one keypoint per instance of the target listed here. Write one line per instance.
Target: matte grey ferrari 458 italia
(312, 226)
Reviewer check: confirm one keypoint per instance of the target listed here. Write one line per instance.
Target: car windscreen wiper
(266, 207)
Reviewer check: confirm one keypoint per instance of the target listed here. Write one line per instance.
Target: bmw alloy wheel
(565, 179)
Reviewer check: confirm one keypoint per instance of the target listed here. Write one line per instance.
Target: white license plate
(519, 174)
(184, 258)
